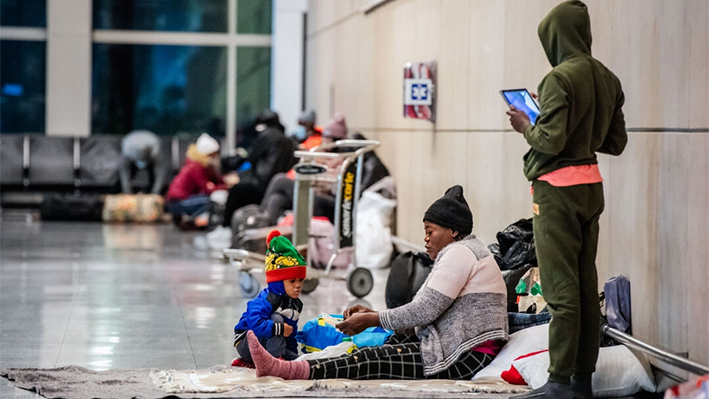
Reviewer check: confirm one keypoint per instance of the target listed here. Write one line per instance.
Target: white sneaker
(220, 238)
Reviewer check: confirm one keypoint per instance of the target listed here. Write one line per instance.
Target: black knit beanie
(451, 211)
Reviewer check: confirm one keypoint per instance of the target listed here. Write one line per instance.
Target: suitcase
(142, 208)
(71, 207)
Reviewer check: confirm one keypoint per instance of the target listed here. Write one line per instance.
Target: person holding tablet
(580, 114)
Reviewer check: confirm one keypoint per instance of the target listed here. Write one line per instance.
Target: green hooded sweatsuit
(580, 104)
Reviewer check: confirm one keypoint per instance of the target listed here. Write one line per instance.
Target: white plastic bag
(330, 351)
(219, 196)
(373, 246)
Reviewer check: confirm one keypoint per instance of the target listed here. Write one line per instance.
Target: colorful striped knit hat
(283, 262)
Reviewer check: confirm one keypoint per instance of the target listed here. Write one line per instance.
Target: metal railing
(669, 358)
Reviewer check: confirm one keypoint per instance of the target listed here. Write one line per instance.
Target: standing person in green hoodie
(581, 114)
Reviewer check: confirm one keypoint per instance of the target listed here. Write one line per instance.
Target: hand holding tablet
(523, 101)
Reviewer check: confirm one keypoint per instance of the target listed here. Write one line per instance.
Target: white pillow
(529, 340)
(618, 372)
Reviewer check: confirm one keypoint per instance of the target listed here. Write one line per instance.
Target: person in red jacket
(189, 191)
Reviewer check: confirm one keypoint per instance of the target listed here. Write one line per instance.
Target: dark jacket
(272, 153)
(580, 99)
(257, 318)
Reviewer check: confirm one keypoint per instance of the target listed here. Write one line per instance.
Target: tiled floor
(123, 297)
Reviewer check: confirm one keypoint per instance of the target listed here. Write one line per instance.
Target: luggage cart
(348, 178)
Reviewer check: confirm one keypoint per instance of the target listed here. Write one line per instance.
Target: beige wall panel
(432, 163)
(325, 13)
(603, 20)
(604, 244)
(631, 196)
(394, 157)
(487, 60)
(650, 56)
(485, 186)
(453, 65)
(319, 78)
(407, 32)
(698, 64)
(345, 75)
(672, 241)
(496, 187)
(366, 66)
(413, 174)
(518, 198)
(674, 80)
(450, 160)
(525, 61)
(698, 250)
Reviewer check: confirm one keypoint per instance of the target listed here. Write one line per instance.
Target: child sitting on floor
(273, 315)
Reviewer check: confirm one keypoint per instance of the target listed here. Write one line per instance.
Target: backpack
(408, 273)
(250, 225)
(249, 217)
(617, 300)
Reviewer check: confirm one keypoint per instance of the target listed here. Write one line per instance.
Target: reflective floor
(124, 297)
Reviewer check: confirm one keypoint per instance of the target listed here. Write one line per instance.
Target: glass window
(162, 15)
(253, 16)
(165, 89)
(22, 86)
(253, 82)
(23, 13)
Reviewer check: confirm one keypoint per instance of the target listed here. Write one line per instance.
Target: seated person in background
(273, 315)
(141, 150)
(278, 197)
(307, 134)
(335, 130)
(458, 316)
(272, 153)
(279, 194)
(189, 191)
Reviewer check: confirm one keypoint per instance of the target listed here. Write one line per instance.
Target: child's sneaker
(240, 363)
(202, 221)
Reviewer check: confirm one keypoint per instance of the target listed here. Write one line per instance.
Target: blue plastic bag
(373, 336)
(319, 333)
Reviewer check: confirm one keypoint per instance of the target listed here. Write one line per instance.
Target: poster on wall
(420, 90)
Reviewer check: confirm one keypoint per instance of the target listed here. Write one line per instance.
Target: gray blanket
(74, 382)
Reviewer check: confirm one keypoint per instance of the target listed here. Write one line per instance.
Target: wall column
(287, 60)
(69, 68)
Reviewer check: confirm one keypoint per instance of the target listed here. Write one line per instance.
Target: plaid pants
(399, 359)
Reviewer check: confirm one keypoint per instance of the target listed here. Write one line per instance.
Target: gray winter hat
(307, 117)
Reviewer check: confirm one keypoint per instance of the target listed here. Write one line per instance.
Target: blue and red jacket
(257, 318)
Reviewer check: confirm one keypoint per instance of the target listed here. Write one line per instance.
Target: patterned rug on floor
(73, 382)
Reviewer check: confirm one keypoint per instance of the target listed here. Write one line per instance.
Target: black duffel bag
(408, 273)
(72, 207)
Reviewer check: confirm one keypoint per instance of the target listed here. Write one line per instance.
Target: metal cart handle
(320, 151)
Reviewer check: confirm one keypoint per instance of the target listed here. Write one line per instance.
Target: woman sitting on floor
(459, 315)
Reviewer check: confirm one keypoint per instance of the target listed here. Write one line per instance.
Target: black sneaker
(582, 388)
(550, 390)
